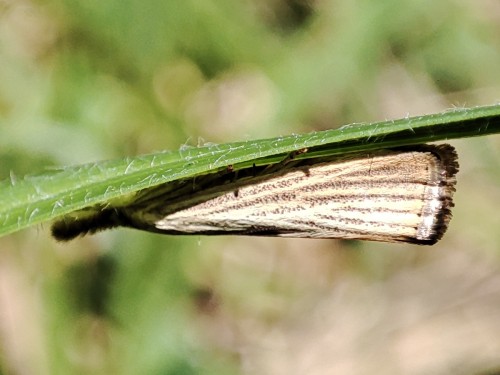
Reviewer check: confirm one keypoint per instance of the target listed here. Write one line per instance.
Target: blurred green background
(88, 80)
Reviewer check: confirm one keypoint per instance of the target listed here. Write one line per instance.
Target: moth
(390, 195)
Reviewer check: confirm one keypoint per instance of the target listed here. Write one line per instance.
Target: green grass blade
(44, 197)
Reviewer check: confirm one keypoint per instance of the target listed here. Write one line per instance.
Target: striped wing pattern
(390, 196)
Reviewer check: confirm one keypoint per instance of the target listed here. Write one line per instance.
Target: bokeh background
(87, 80)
